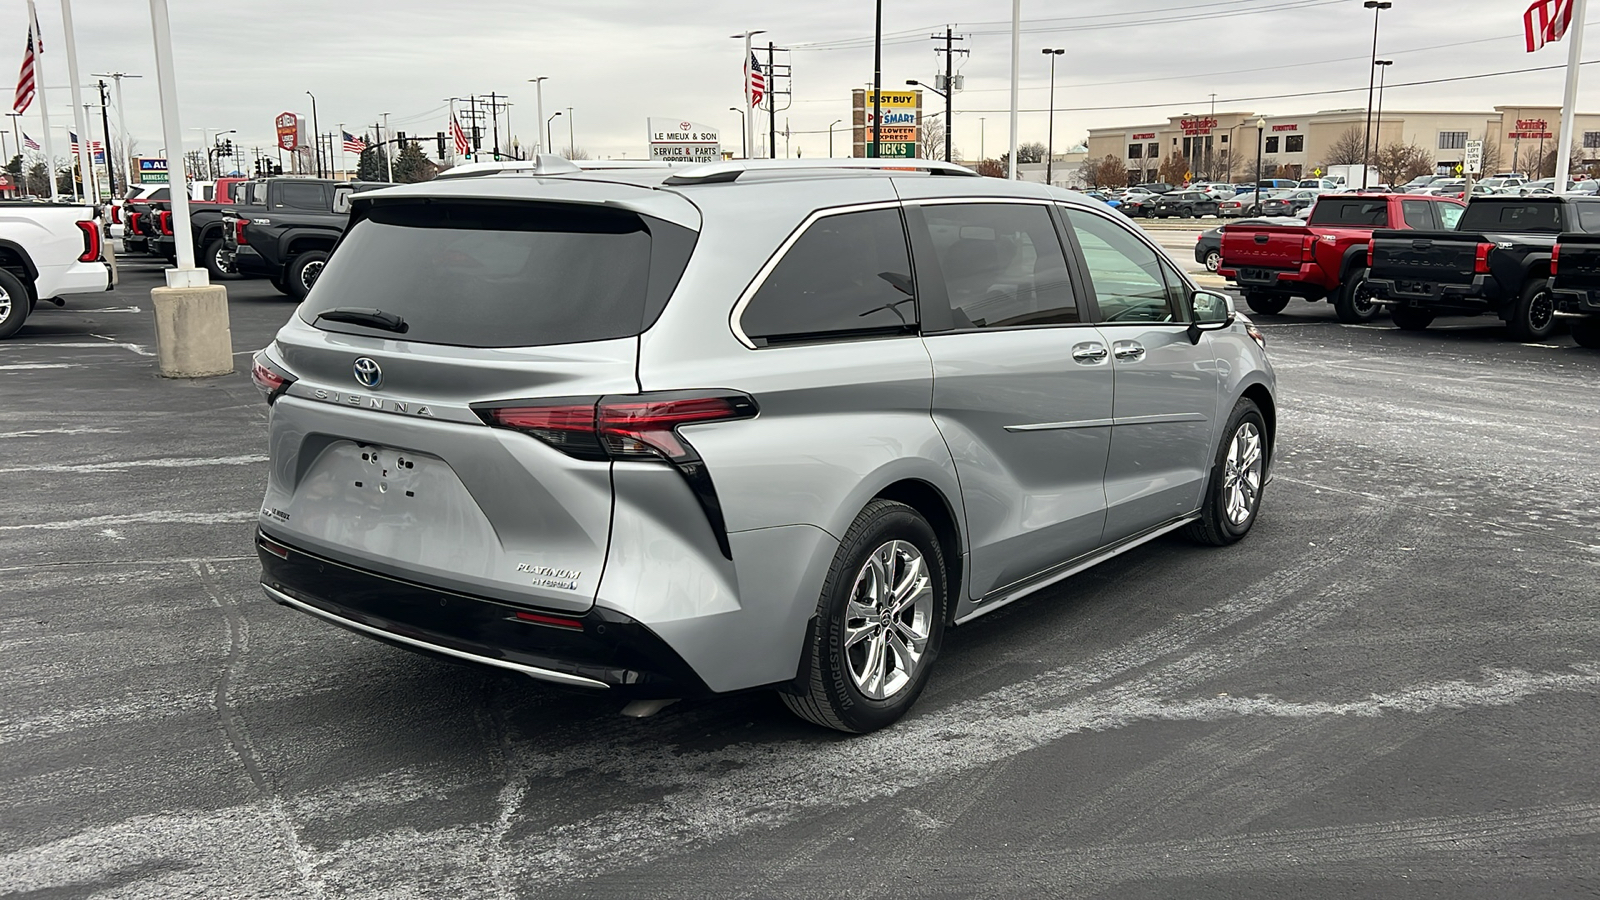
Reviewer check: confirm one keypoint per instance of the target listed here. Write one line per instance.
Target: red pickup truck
(1326, 258)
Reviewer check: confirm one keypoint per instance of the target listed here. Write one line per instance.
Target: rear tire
(1409, 318)
(1354, 304)
(862, 669)
(1238, 476)
(1533, 318)
(1587, 332)
(303, 272)
(15, 304)
(1213, 260)
(1266, 304)
(210, 256)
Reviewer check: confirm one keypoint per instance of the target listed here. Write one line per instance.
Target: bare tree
(1348, 149)
(1107, 170)
(1031, 153)
(1491, 157)
(576, 153)
(1399, 163)
(1173, 168)
(991, 168)
(930, 139)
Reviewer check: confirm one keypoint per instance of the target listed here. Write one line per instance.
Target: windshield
(479, 274)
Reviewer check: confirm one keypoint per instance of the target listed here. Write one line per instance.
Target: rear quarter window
(506, 274)
(1367, 212)
(1588, 217)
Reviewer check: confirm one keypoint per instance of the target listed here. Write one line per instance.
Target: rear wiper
(359, 315)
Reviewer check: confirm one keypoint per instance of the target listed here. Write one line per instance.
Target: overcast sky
(617, 62)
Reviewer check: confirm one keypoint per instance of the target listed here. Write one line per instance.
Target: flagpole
(1569, 102)
(44, 108)
(86, 179)
(1016, 77)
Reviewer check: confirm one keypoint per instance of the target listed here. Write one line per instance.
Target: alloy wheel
(1541, 311)
(1361, 298)
(309, 273)
(888, 620)
(5, 304)
(1242, 474)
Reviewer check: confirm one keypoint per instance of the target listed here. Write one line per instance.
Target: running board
(996, 599)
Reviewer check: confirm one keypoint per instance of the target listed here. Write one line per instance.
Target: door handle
(1089, 354)
(1129, 351)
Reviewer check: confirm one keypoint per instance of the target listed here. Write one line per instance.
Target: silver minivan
(663, 432)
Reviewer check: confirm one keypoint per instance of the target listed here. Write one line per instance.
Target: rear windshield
(484, 274)
(1521, 217)
(1353, 211)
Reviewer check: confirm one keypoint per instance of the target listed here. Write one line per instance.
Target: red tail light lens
(570, 428)
(271, 382)
(91, 241)
(165, 221)
(1308, 245)
(624, 427)
(1369, 254)
(133, 223)
(116, 215)
(238, 231)
(1480, 260)
(552, 621)
(1555, 258)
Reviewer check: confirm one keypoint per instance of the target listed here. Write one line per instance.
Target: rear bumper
(1305, 281)
(248, 262)
(77, 278)
(1574, 302)
(1483, 293)
(608, 651)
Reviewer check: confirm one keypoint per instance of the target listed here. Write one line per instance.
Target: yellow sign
(1458, 168)
(895, 98)
(1317, 172)
(1188, 176)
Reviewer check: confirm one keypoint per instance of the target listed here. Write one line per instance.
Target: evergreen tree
(411, 166)
(38, 180)
(374, 164)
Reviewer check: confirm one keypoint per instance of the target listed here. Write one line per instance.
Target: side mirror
(1209, 311)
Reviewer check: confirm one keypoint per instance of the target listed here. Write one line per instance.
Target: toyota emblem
(368, 373)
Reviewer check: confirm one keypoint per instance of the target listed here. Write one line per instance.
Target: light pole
(572, 145)
(983, 135)
(744, 147)
(122, 121)
(916, 83)
(1050, 141)
(388, 155)
(749, 99)
(1261, 129)
(316, 132)
(547, 141)
(538, 89)
(1377, 122)
(830, 136)
(1377, 6)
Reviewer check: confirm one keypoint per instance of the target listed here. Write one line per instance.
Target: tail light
(1308, 245)
(632, 427)
(1555, 258)
(271, 382)
(91, 241)
(238, 231)
(116, 214)
(133, 223)
(1369, 254)
(165, 222)
(1480, 259)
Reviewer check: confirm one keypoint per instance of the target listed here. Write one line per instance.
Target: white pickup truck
(48, 250)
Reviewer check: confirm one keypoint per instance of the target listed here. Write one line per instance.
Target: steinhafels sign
(1198, 125)
(1530, 129)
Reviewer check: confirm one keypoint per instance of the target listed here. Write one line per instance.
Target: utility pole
(1377, 6)
(388, 155)
(572, 144)
(877, 83)
(494, 119)
(105, 128)
(1016, 79)
(122, 121)
(316, 132)
(477, 142)
(538, 89)
(949, 52)
(1050, 140)
(772, 104)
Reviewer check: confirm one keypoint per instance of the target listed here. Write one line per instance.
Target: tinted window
(1335, 211)
(1524, 217)
(1588, 217)
(160, 194)
(1417, 214)
(848, 275)
(1449, 214)
(503, 274)
(1002, 265)
(1129, 283)
(300, 195)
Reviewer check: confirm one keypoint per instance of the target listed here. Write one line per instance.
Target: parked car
(1287, 202)
(1325, 184)
(1240, 204)
(1158, 187)
(1506, 185)
(1105, 198)
(1208, 244)
(1185, 204)
(47, 251)
(586, 431)
(1274, 184)
(1140, 205)
(1325, 258)
(1496, 260)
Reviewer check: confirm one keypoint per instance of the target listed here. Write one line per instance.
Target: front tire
(1410, 318)
(1533, 318)
(1238, 475)
(1354, 304)
(1266, 304)
(879, 623)
(15, 304)
(303, 272)
(1587, 332)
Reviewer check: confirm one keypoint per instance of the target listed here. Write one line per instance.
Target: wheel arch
(934, 506)
(18, 262)
(1258, 392)
(1537, 266)
(297, 242)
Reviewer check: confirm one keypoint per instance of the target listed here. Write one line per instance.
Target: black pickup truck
(1575, 285)
(1496, 260)
(287, 230)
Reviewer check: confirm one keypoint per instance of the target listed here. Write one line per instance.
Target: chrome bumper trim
(530, 671)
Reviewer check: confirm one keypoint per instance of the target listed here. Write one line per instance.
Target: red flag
(1546, 21)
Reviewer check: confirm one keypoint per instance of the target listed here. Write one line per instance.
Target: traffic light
(440, 137)
(400, 141)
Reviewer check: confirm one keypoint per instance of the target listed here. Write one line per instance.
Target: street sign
(1474, 157)
(680, 140)
(152, 170)
(1458, 168)
(1317, 172)
(1188, 176)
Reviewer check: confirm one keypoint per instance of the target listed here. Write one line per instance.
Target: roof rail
(730, 170)
(549, 164)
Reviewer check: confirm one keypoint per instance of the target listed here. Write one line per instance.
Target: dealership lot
(1388, 689)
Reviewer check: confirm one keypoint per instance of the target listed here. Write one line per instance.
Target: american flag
(758, 81)
(26, 84)
(460, 137)
(353, 144)
(97, 149)
(29, 142)
(1546, 21)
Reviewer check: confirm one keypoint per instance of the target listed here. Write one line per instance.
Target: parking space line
(153, 517)
(165, 463)
(81, 345)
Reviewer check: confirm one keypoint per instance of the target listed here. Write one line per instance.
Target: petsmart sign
(679, 140)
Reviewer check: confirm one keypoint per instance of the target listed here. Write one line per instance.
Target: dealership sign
(679, 140)
(1198, 125)
(288, 125)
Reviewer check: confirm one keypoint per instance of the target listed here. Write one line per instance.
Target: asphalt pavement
(1390, 689)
